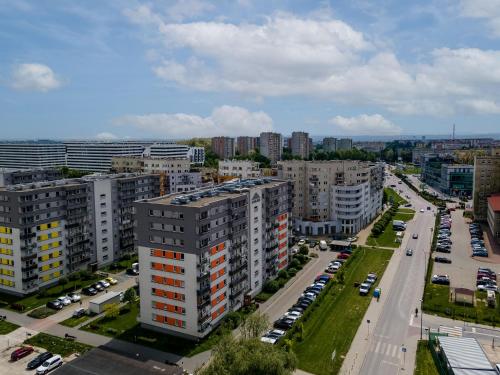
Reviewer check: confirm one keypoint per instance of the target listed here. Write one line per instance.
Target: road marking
(411, 319)
(473, 329)
(382, 348)
(377, 347)
(394, 351)
(388, 351)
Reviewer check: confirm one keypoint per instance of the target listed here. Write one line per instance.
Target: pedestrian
(80, 303)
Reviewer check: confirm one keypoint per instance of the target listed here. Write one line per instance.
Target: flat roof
(465, 356)
(104, 297)
(494, 202)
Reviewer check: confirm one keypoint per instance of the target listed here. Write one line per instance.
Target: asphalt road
(394, 328)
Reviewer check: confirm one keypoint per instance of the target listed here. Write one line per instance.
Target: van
(323, 245)
(49, 365)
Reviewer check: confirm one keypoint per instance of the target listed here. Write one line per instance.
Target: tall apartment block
(245, 145)
(239, 168)
(301, 144)
(486, 182)
(223, 147)
(94, 156)
(201, 253)
(344, 144)
(39, 154)
(271, 146)
(13, 176)
(329, 144)
(51, 229)
(338, 196)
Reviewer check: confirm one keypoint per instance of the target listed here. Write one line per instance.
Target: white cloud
(106, 136)
(488, 10)
(225, 120)
(34, 77)
(365, 125)
(319, 57)
(183, 9)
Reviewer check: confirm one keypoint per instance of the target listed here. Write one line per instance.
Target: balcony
(203, 276)
(28, 257)
(29, 267)
(26, 236)
(203, 290)
(202, 262)
(26, 279)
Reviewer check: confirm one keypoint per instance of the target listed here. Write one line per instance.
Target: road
(392, 319)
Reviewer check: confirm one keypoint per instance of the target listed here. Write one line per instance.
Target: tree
(112, 311)
(271, 286)
(249, 357)
(130, 295)
(304, 250)
(254, 326)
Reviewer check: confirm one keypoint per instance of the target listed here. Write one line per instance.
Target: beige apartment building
(338, 196)
(239, 168)
(486, 181)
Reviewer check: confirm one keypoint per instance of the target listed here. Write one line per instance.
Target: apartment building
(96, 156)
(486, 181)
(245, 145)
(223, 147)
(51, 229)
(442, 173)
(493, 216)
(201, 253)
(36, 154)
(184, 182)
(14, 176)
(344, 144)
(301, 144)
(239, 168)
(338, 196)
(271, 146)
(329, 144)
(124, 164)
(172, 150)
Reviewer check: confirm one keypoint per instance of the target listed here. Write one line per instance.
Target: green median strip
(327, 332)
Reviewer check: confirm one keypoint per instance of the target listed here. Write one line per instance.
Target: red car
(343, 256)
(21, 353)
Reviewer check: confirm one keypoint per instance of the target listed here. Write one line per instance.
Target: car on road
(442, 260)
(89, 291)
(38, 360)
(74, 297)
(21, 352)
(301, 242)
(78, 313)
(364, 289)
(409, 252)
(422, 210)
(440, 279)
(323, 245)
(415, 236)
(111, 280)
(65, 300)
(408, 205)
(50, 364)
(55, 304)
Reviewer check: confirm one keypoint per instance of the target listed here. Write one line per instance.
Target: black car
(38, 360)
(441, 280)
(301, 305)
(305, 299)
(283, 323)
(442, 260)
(97, 287)
(297, 309)
(443, 250)
(131, 272)
(56, 305)
(89, 291)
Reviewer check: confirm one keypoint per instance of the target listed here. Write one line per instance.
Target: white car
(273, 336)
(422, 210)
(65, 300)
(294, 251)
(293, 314)
(309, 295)
(104, 283)
(74, 297)
(49, 364)
(364, 289)
(301, 242)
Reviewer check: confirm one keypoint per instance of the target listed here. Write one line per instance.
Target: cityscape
(193, 187)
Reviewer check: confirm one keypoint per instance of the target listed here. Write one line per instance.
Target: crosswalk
(386, 349)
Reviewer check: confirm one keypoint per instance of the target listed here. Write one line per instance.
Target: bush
(63, 281)
(113, 331)
(233, 320)
(282, 282)
(126, 257)
(294, 263)
(17, 306)
(271, 286)
(85, 275)
(292, 271)
(304, 250)
(41, 313)
(283, 274)
(74, 276)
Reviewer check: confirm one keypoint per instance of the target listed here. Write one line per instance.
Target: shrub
(17, 306)
(112, 331)
(63, 281)
(292, 271)
(74, 276)
(126, 257)
(283, 274)
(112, 310)
(282, 282)
(271, 286)
(85, 275)
(294, 263)
(233, 320)
(304, 250)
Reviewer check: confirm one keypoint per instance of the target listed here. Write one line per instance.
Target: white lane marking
(377, 347)
(411, 319)
(394, 351)
(473, 329)
(382, 348)
(388, 351)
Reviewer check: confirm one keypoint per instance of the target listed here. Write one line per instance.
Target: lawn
(386, 239)
(126, 328)
(7, 327)
(411, 169)
(332, 326)
(392, 196)
(57, 345)
(121, 265)
(41, 312)
(73, 322)
(403, 215)
(424, 362)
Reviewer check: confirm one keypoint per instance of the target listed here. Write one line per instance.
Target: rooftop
(494, 202)
(465, 356)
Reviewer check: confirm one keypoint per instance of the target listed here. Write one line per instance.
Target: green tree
(271, 286)
(130, 295)
(112, 311)
(62, 281)
(304, 250)
(254, 326)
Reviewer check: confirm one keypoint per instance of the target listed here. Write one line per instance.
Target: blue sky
(183, 68)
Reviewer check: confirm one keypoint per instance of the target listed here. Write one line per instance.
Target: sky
(176, 69)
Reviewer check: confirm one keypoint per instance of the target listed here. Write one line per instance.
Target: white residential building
(239, 168)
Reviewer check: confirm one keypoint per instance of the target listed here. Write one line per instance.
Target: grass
(126, 328)
(7, 327)
(57, 345)
(333, 322)
(411, 169)
(39, 299)
(424, 364)
(394, 197)
(121, 265)
(41, 312)
(386, 239)
(73, 322)
(405, 216)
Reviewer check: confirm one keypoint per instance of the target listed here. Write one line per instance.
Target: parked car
(443, 250)
(89, 291)
(440, 279)
(97, 287)
(74, 297)
(283, 323)
(343, 256)
(50, 364)
(56, 305)
(78, 313)
(38, 360)
(364, 289)
(301, 242)
(322, 245)
(442, 260)
(273, 336)
(21, 352)
(132, 272)
(65, 300)
(415, 235)
(422, 210)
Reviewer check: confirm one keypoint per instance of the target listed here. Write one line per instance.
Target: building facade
(239, 168)
(184, 182)
(245, 145)
(330, 197)
(172, 150)
(329, 144)
(300, 144)
(344, 144)
(9, 176)
(127, 164)
(493, 216)
(443, 174)
(41, 154)
(486, 182)
(271, 146)
(196, 253)
(223, 147)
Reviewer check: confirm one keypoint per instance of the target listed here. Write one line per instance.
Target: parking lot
(462, 271)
